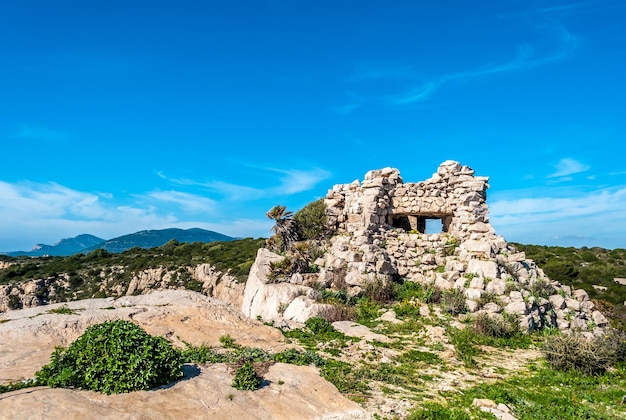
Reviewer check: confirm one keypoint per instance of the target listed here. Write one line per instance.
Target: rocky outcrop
(28, 338)
(382, 231)
(271, 301)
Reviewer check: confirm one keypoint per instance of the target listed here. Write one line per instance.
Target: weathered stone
(471, 305)
(557, 301)
(599, 319)
(264, 299)
(581, 295)
(477, 283)
(517, 307)
(572, 304)
(473, 293)
(492, 308)
(488, 269)
(496, 286)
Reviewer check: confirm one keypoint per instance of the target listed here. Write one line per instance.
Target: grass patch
(63, 310)
(546, 393)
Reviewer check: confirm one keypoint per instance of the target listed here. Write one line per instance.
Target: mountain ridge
(85, 243)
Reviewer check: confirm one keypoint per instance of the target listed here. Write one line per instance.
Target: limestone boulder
(267, 300)
(28, 338)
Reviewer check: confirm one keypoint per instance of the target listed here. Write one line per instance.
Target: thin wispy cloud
(290, 181)
(32, 132)
(566, 167)
(526, 58)
(190, 203)
(47, 212)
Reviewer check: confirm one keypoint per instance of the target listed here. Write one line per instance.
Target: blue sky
(119, 116)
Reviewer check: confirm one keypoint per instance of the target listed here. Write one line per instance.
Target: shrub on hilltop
(113, 357)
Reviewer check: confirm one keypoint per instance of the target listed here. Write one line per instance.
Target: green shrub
(312, 219)
(367, 311)
(319, 325)
(435, 411)
(63, 310)
(496, 326)
(406, 290)
(246, 378)
(407, 309)
(113, 357)
(453, 301)
(227, 341)
(202, 354)
(576, 352)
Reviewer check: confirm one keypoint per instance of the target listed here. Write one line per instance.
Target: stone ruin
(382, 231)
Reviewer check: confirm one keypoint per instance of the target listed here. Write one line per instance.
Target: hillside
(143, 239)
(27, 281)
(153, 238)
(64, 247)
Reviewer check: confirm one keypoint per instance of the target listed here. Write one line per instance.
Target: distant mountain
(143, 239)
(62, 248)
(152, 238)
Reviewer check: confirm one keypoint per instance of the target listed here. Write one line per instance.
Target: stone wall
(378, 227)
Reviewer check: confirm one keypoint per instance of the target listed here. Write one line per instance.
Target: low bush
(113, 357)
(246, 378)
(319, 325)
(496, 326)
(453, 301)
(576, 352)
(407, 309)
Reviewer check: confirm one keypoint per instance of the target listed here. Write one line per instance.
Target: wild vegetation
(584, 268)
(102, 274)
(433, 361)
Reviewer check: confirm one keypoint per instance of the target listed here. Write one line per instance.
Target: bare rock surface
(28, 338)
(290, 392)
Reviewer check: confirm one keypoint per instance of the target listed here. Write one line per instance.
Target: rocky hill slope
(28, 338)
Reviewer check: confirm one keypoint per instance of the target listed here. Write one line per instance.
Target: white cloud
(190, 203)
(34, 213)
(290, 181)
(595, 217)
(567, 166)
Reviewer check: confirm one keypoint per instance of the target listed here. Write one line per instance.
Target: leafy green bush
(407, 309)
(319, 325)
(312, 219)
(113, 357)
(576, 352)
(203, 354)
(246, 378)
(404, 289)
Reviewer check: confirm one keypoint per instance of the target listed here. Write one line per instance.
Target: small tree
(286, 228)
